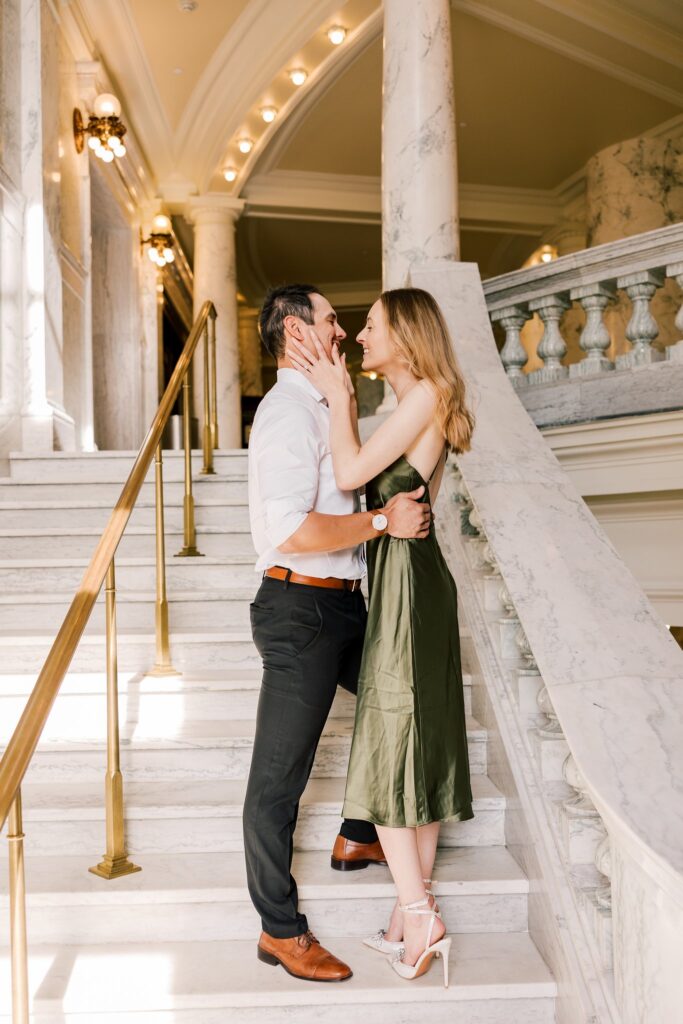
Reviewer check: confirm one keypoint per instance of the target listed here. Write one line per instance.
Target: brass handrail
(26, 735)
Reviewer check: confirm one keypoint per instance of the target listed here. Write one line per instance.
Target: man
(308, 620)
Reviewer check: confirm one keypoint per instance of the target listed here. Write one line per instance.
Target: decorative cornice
(615, 20)
(480, 9)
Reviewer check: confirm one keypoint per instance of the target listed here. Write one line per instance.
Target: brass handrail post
(17, 904)
(162, 665)
(189, 547)
(214, 400)
(115, 861)
(207, 433)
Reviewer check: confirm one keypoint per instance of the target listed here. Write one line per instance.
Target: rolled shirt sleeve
(288, 470)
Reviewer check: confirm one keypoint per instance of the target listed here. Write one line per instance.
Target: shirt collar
(285, 375)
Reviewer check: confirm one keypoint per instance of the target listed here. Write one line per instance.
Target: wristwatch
(379, 522)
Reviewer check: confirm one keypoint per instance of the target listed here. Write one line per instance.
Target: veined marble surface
(613, 672)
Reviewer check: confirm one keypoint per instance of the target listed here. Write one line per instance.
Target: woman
(409, 767)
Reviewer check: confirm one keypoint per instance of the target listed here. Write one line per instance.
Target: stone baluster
(552, 347)
(642, 328)
(551, 728)
(580, 804)
(595, 339)
(675, 352)
(524, 648)
(507, 603)
(603, 862)
(513, 354)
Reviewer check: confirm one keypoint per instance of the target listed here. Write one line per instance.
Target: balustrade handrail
(21, 747)
(612, 672)
(647, 251)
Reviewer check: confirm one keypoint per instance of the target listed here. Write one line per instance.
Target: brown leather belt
(278, 572)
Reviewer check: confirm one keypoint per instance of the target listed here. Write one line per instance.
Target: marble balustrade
(597, 755)
(612, 286)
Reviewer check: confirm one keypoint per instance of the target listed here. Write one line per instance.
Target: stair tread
(195, 798)
(131, 531)
(140, 976)
(212, 733)
(16, 504)
(81, 563)
(206, 877)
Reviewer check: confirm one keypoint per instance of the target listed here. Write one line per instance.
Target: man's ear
(292, 325)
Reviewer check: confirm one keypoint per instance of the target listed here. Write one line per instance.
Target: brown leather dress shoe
(350, 856)
(302, 957)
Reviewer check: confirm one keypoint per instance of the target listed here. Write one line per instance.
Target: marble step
(495, 979)
(167, 751)
(151, 702)
(24, 513)
(191, 649)
(233, 486)
(205, 816)
(57, 575)
(187, 609)
(115, 465)
(201, 897)
(79, 542)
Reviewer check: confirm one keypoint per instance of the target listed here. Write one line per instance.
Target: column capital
(213, 208)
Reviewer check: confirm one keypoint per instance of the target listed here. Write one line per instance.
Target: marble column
(419, 163)
(44, 422)
(250, 351)
(214, 219)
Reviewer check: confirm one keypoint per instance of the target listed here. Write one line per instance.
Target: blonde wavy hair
(421, 336)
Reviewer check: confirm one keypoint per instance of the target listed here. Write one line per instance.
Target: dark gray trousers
(310, 640)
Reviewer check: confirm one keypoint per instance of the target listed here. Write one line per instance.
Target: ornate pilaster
(215, 278)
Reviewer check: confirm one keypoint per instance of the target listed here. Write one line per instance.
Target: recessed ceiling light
(268, 113)
(298, 75)
(245, 145)
(336, 34)
(230, 173)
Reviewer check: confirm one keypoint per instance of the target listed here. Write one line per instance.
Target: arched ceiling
(540, 85)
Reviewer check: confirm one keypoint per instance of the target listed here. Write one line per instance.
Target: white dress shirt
(291, 474)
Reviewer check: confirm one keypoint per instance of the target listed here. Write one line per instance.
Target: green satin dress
(409, 764)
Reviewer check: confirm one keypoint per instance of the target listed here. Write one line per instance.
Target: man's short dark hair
(285, 300)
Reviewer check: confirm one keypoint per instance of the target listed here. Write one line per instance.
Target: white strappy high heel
(382, 945)
(423, 963)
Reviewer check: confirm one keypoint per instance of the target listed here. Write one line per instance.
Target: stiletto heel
(424, 961)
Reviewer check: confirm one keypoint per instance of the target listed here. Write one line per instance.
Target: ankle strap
(413, 908)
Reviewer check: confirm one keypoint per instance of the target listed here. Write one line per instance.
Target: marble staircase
(175, 943)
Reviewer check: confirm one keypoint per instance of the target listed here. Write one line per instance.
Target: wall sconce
(230, 173)
(105, 129)
(160, 241)
(298, 76)
(268, 113)
(336, 35)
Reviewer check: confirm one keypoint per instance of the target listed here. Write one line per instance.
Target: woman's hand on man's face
(329, 376)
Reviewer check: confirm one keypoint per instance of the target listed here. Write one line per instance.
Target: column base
(55, 432)
(589, 366)
(639, 357)
(674, 353)
(547, 374)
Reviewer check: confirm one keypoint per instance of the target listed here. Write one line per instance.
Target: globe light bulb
(106, 105)
(161, 225)
(152, 253)
(121, 150)
(106, 155)
(230, 173)
(94, 142)
(169, 255)
(298, 76)
(547, 257)
(336, 34)
(268, 114)
(245, 145)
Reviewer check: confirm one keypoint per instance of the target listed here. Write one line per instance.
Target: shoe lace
(306, 939)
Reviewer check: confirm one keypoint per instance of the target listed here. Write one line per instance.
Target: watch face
(380, 521)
